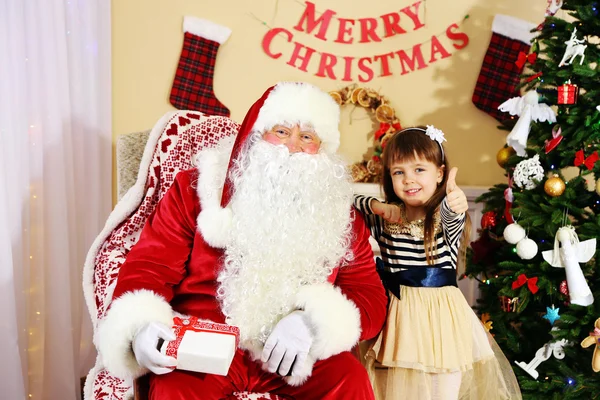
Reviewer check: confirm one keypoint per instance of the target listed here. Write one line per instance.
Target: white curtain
(55, 187)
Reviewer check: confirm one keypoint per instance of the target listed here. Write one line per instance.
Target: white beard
(291, 227)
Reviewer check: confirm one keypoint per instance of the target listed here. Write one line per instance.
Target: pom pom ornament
(568, 253)
(527, 249)
(554, 186)
(591, 340)
(528, 173)
(528, 109)
(514, 233)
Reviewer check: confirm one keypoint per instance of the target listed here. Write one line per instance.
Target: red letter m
(311, 23)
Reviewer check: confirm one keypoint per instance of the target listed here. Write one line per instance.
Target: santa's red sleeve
(155, 264)
(353, 308)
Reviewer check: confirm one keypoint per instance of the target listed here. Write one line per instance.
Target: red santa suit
(173, 268)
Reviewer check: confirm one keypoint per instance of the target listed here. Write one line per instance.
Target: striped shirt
(401, 251)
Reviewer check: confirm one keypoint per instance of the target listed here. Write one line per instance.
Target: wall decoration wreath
(379, 107)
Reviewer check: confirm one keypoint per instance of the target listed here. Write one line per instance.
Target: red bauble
(488, 220)
(564, 288)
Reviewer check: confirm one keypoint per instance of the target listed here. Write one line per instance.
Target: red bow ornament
(531, 283)
(589, 162)
(523, 58)
(384, 127)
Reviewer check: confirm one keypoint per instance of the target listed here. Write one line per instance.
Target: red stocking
(193, 85)
(499, 75)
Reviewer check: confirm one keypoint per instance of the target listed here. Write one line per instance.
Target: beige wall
(147, 39)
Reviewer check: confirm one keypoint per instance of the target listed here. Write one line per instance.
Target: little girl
(433, 344)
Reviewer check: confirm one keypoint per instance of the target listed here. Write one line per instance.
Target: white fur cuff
(206, 29)
(334, 318)
(513, 28)
(116, 331)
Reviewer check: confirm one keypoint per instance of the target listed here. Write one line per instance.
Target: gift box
(567, 93)
(202, 346)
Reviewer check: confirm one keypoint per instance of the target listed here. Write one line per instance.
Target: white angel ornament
(528, 109)
(568, 253)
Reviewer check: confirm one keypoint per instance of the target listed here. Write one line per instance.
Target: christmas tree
(536, 256)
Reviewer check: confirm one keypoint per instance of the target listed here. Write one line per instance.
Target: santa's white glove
(145, 348)
(287, 347)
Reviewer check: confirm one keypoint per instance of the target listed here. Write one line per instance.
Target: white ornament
(568, 253)
(527, 249)
(574, 48)
(553, 7)
(528, 109)
(528, 173)
(542, 355)
(514, 233)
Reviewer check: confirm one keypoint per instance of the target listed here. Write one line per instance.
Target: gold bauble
(503, 155)
(554, 186)
(598, 187)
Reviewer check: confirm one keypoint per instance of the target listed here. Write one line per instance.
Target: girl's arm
(453, 210)
(371, 206)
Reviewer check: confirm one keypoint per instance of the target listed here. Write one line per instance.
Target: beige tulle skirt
(433, 346)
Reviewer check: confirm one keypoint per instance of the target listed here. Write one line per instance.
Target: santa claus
(261, 236)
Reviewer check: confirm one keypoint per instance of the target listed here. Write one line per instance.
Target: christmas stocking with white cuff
(193, 85)
(499, 75)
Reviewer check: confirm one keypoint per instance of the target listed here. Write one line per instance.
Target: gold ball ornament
(503, 155)
(598, 187)
(554, 186)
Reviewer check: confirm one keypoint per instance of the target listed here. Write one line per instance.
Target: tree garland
(379, 107)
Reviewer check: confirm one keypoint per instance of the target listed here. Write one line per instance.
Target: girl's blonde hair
(407, 145)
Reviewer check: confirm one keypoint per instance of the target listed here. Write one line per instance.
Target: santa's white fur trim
(116, 331)
(513, 28)
(298, 102)
(334, 318)
(214, 222)
(335, 321)
(215, 225)
(206, 29)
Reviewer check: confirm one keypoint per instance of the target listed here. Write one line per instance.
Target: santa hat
(286, 102)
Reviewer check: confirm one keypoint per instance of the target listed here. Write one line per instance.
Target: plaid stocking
(499, 75)
(193, 85)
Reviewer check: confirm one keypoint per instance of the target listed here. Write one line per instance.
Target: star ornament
(487, 322)
(552, 314)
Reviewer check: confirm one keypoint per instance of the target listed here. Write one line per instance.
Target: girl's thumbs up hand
(457, 201)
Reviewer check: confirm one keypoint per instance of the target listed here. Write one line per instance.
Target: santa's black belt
(415, 277)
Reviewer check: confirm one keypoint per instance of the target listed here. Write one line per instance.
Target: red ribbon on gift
(523, 58)
(589, 162)
(531, 283)
(182, 325)
(383, 128)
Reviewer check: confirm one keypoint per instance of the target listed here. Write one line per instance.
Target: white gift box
(202, 346)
